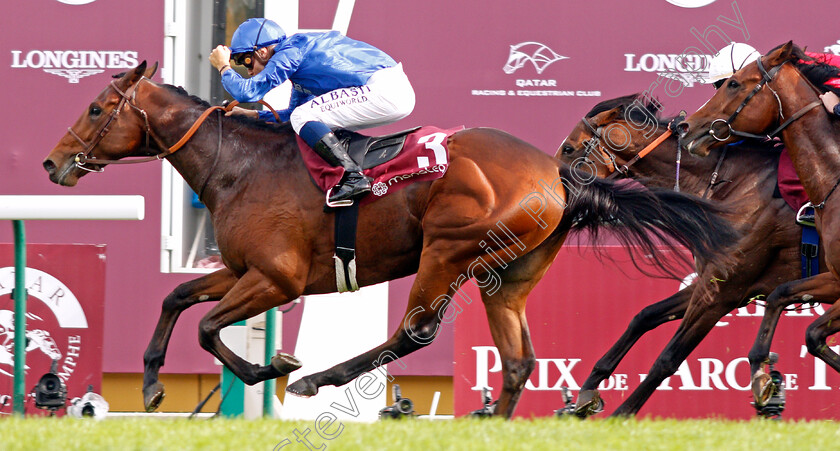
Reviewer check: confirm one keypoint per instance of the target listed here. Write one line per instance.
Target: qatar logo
(61, 343)
(833, 48)
(540, 55)
(690, 3)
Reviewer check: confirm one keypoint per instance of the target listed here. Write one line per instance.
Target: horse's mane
(816, 70)
(245, 120)
(624, 102)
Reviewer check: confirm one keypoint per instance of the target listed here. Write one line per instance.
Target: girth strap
(346, 222)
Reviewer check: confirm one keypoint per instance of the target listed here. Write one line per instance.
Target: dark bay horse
(773, 97)
(277, 243)
(767, 253)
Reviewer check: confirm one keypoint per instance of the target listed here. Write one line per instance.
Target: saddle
(371, 151)
(367, 152)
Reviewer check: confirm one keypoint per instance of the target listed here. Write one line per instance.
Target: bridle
(624, 169)
(86, 155)
(766, 78)
(129, 98)
(608, 156)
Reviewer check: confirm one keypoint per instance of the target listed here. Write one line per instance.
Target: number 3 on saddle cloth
(393, 162)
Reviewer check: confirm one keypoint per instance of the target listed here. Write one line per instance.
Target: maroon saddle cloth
(392, 163)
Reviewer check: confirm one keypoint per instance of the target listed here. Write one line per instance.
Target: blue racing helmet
(254, 34)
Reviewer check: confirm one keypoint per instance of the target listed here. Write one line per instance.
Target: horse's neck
(207, 155)
(811, 141)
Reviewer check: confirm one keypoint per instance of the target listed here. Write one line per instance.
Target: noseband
(86, 155)
(612, 166)
(766, 78)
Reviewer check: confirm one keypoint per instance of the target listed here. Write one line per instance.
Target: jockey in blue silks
(337, 82)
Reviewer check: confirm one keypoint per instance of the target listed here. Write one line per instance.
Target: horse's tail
(646, 218)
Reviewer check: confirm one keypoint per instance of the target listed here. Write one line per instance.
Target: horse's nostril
(682, 128)
(49, 166)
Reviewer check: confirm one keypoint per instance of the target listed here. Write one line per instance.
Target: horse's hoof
(589, 403)
(303, 388)
(152, 396)
(762, 388)
(285, 363)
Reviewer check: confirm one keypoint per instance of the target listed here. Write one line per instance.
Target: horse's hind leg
(651, 317)
(430, 295)
(252, 294)
(820, 288)
(505, 306)
(204, 289)
(509, 328)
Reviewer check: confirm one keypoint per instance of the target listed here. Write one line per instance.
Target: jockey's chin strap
(129, 98)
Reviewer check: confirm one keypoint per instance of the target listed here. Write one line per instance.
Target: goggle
(247, 58)
(244, 59)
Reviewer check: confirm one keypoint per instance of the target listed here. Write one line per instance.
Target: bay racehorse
(774, 97)
(277, 243)
(625, 137)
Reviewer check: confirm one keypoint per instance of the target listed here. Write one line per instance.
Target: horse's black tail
(644, 219)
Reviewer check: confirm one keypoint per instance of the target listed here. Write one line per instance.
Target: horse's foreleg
(204, 289)
(252, 294)
(820, 288)
(699, 319)
(825, 326)
(651, 317)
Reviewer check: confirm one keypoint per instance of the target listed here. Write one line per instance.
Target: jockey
(337, 82)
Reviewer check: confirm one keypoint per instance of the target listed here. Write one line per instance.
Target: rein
(129, 98)
(615, 170)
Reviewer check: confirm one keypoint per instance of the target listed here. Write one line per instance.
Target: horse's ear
(150, 72)
(606, 117)
(132, 76)
(780, 55)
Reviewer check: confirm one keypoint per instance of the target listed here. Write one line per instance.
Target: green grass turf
(461, 434)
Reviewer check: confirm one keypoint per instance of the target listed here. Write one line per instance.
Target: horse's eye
(95, 111)
(568, 150)
(733, 84)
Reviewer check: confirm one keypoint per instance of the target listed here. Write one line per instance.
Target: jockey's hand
(244, 112)
(830, 100)
(220, 57)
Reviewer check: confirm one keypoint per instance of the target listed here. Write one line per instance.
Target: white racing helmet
(729, 60)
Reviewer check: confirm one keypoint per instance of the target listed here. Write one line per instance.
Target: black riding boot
(354, 184)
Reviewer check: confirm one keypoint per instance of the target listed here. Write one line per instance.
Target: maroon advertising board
(583, 305)
(65, 285)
